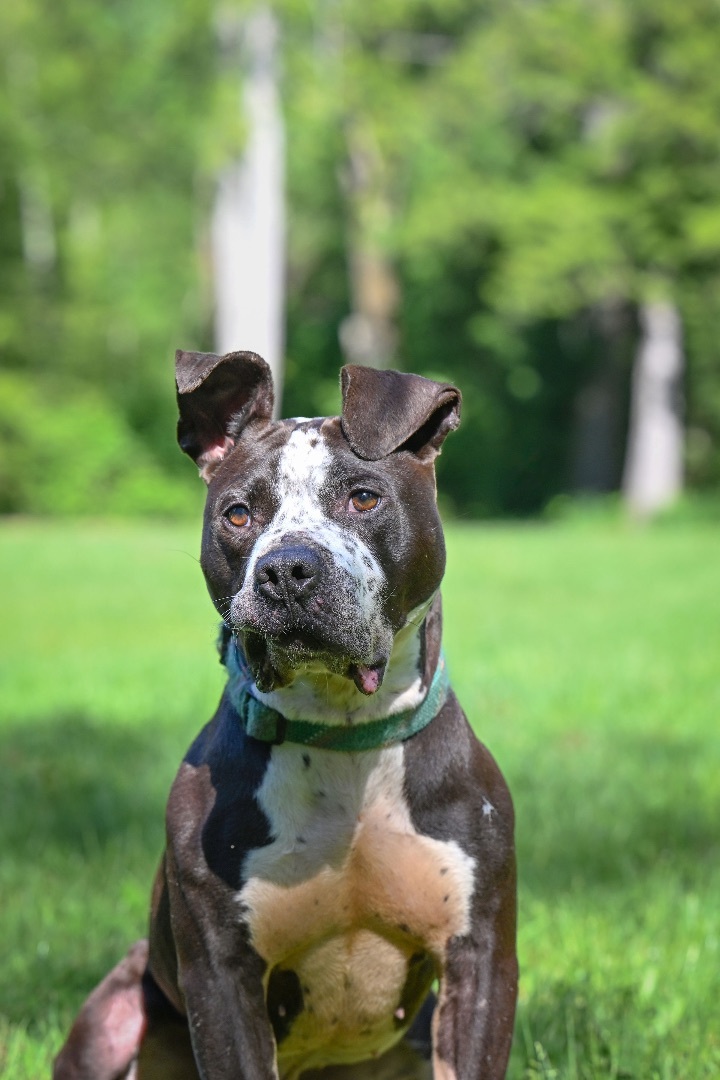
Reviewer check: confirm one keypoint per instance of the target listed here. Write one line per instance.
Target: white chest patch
(349, 894)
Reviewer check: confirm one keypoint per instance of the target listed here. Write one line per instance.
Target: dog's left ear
(217, 396)
(385, 410)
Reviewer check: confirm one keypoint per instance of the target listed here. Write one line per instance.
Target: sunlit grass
(587, 659)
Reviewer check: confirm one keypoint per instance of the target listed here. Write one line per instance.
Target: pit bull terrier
(338, 841)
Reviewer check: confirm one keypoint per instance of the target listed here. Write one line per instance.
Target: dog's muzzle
(299, 605)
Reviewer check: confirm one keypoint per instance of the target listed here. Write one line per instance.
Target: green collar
(268, 725)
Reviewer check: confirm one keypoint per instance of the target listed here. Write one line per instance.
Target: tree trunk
(600, 405)
(248, 223)
(39, 243)
(654, 463)
(368, 335)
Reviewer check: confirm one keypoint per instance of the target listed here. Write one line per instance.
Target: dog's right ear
(217, 396)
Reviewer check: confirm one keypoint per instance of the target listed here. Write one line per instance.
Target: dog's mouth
(276, 658)
(306, 648)
(368, 677)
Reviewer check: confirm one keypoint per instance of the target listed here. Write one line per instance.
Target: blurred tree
(368, 334)
(576, 144)
(654, 463)
(248, 220)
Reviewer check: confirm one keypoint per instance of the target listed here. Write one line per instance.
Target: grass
(586, 657)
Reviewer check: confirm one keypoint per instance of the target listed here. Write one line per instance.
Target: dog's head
(322, 536)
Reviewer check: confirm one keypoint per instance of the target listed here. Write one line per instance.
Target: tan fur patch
(400, 884)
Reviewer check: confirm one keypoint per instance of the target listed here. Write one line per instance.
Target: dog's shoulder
(455, 790)
(213, 813)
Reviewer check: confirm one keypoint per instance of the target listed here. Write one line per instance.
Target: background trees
(501, 193)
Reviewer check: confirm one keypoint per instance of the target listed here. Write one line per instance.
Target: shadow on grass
(71, 782)
(602, 816)
(81, 829)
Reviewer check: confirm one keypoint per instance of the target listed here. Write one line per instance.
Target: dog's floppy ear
(385, 410)
(217, 396)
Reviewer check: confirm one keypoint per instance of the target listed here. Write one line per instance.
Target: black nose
(289, 573)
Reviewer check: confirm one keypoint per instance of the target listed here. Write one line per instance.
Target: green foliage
(586, 658)
(64, 451)
(543, 164)
(100, 110)
(529, 168)
(582, 175)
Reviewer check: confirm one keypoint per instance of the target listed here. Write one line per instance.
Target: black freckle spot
(335, 1020)
(444, 870)
(306, 991)
(316, 901)
(416, 958)
(404, 927)
(306, 760)
(300, 840)
(320, 794)
(388, 815)
(347, 982)
(445, 899)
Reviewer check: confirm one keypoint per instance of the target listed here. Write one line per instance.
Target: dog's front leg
(473, 1021)
(231, 1037)
(220, 978)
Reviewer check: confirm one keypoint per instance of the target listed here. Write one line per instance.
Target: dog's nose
(290, 573)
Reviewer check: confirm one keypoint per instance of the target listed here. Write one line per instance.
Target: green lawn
(587, 658)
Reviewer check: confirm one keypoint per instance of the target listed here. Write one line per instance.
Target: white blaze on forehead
(304, 466)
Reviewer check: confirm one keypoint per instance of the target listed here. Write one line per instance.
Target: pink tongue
(368, 679)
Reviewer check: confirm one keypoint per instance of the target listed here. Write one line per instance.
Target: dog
(338, 841)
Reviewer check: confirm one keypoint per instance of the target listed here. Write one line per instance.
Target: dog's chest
(349, 906)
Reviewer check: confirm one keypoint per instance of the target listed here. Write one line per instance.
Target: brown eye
(363, 500)
(238, 515)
